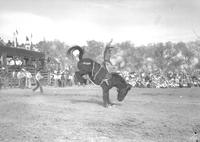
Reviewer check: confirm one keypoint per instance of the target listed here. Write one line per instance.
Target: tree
(55, 52)
(187, 54)
(124, 53)
(94, 49)
(159, 56)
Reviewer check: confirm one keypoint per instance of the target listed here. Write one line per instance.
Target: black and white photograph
(99, 71)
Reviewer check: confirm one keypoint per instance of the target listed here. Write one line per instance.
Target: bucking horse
(99, 74)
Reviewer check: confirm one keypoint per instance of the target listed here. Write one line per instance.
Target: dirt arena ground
(76, 114)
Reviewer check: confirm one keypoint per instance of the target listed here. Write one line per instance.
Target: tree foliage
(94, 49)
(55, 52)
(164, 56)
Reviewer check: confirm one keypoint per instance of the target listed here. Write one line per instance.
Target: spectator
(63, 80)
(38, 78)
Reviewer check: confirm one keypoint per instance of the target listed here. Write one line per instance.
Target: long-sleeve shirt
(38, 76)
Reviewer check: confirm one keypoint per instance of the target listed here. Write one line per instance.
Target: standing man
(38, 78)
(28, 79)
(63, 79)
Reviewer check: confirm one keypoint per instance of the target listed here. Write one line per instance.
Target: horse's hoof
(107, 106)
(111, 104)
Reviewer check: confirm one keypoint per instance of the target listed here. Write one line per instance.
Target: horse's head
(122, 92)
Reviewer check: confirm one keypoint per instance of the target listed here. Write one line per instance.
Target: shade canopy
(21, 52)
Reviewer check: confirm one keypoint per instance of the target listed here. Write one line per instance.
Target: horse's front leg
(106, 100)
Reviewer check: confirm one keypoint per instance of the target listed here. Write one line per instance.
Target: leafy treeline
(164, 56)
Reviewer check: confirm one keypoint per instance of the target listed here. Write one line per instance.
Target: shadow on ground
(91, 101)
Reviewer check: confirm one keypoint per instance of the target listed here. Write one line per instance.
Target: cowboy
(21, 76)
(38, 78)
(28, 79)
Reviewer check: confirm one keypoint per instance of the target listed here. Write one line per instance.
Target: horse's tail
(72, 49)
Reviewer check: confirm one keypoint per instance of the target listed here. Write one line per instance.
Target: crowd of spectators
(159, 79)
(155, 79)
(61, 79)
(20, 78)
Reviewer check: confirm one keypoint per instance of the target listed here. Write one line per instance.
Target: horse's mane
(119, 77)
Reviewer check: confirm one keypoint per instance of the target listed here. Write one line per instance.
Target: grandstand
(31, 60)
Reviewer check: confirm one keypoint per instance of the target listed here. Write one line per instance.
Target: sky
(76, 21)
